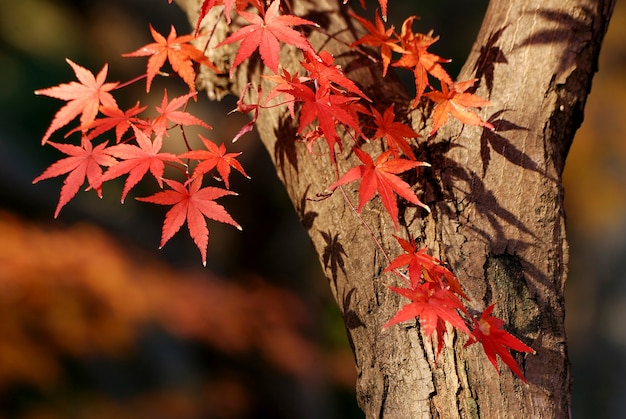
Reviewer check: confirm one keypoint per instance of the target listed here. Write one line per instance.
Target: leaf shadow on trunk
(494, 140)
(490, 55)
(351, 319)
(333, 255)
(285, 146)
(568, 26)
(307, 218)
(444, 188)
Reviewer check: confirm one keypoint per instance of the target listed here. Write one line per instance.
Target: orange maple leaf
(214, 157)
(84, 161)
(380, 37)
(83, 98)
(191, 204)
(415, 56)
(175, 49)
(456, 102)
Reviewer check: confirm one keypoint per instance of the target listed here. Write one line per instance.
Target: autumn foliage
(100, 299)
(324, 103)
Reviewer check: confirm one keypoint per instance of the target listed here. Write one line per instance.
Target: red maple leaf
(456, 102)
(191, 204)
(380, 176)
(265, 33)
(175, 49)
(495, 341)
(137, 160)
(168, 113)
(284, 84)
(322, 70)
(433, 306)
(114, 118)
(84, 161)
(393, 132)
(380, 37)
(214, 157)
(424, 267)
(329, 109)
(82, 98)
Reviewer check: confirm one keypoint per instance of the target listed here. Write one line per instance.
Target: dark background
(95, 322)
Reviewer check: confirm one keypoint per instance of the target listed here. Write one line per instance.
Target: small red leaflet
(424, 267)
(324, 73)
(168, 113)
(115, 118)
(433, 306)
(207, 5)
(329, 109)
(244, 107)
(191, 204)
(136, 161)
(380, 176)
(393, 132)
(83, 161)
(214, 157)
(496, 341)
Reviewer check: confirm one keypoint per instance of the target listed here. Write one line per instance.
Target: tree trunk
(497, 209)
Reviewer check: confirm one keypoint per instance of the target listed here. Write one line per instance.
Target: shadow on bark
(333, 255)
(446, 192)
(351, 320)
(307, 218)
(490, 55)
(494, 140)
(568, 26)
(285, 147)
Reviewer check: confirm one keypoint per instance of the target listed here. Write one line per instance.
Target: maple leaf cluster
(327, 104)
(412, 47)
(139, 142)
(324, 104)
(435, 294)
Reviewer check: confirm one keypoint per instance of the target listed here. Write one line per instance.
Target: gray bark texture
(497, 208)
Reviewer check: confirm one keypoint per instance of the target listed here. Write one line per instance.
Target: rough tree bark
(497, 209)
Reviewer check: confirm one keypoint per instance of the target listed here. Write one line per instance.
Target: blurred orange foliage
(76, 292)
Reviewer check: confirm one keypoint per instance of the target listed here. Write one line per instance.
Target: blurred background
(95, 322)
